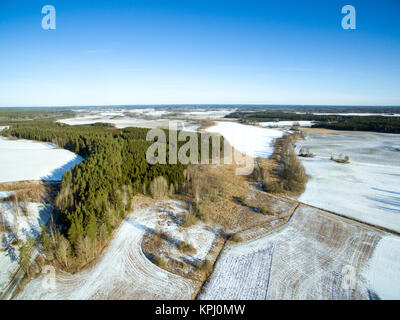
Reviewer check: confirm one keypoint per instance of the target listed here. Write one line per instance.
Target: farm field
(304, 260)
(370, 180)
(145, 118)
(251, 140)
(125, 122)
(28, 160)
(285, 123)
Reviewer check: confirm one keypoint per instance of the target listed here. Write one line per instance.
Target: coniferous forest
(96, 194)
(373, 123)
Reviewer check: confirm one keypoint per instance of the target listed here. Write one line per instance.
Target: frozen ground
(286, 123)
(120, 118)
(309, 258)
(125, 122)
(384, 269)
(251, 140)
(21, 226)
(123, 271)
(29, 160)
(367, 188)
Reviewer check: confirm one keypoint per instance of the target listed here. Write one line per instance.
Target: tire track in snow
(122, 272)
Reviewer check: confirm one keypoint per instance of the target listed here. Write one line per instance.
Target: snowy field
(308, 259)
(21, 226)
(28, 160)
(251, 140)
(123, 271)
(121, 119)
(126, 122)
(286, 123)
(367, 188)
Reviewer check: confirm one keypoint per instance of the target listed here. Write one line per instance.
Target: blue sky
(199, 51)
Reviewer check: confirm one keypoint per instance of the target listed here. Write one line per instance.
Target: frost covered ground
(286, 123)
(20, 227)
(28, 160)
(144, 118)
(251, 140)
(125, 122)
(308, 258)
(123, 271)
(367, 188)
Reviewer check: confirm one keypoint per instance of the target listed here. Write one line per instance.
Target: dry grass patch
(186, 248)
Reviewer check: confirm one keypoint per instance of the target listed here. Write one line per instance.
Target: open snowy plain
(28, 160)
(251, 140)
(367, 188)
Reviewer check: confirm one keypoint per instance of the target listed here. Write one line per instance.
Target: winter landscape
(199, 150)
(345, 222)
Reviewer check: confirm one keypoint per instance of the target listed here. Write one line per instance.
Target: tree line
(96, 194)
(384, 124)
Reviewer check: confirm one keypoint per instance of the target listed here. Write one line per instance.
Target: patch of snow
(384, 269)
(5, 194)
(29, 160)
(251, 140)
(129, 122)
(286, 123)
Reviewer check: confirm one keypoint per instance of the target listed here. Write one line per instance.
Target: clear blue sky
(199, 51)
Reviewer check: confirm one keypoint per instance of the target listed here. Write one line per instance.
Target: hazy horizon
(199, 52)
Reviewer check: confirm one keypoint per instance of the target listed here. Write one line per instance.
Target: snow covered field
(286, 123)
(251, 140)
(120, 118)
(308, 258)
(367, 188)
(29, 160)
(126, 122)
(123, 271)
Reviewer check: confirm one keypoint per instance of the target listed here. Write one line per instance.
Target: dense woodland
(337, 122)
(96, 194)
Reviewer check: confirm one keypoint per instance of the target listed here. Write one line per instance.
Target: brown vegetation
(235, 237)
(290, 177)
(27, 191)
(340, 158)
(160, 261)
(159, 187)
(3, 225)
(306, 153)
(186, 248)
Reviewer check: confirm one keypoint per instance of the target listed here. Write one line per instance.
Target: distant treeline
(96, 194)
(337, 122)
(8, 114)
